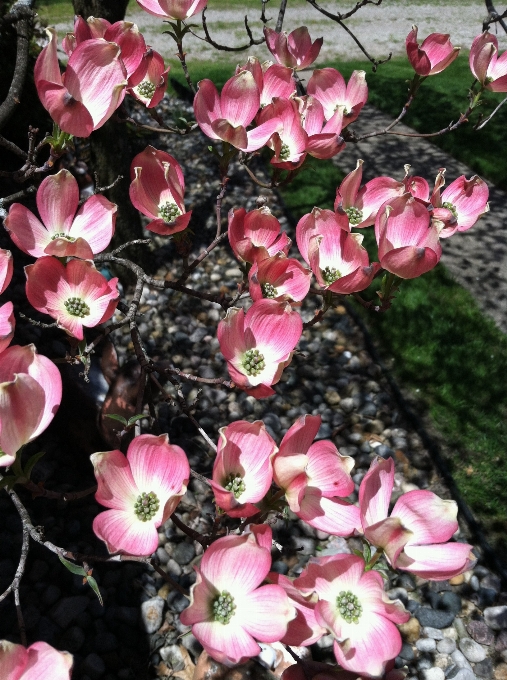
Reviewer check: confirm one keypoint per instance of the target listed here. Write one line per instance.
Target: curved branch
(226, 48)
(494, 17)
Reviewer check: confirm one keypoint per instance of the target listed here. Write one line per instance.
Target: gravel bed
(458, 629)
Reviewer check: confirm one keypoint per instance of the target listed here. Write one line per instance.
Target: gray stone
(460, 627)
(151, 614)
(434, 618)
(93, 666)
(347, 404)
(462, 674)
(484, 669)
(433, 633)
(407, 653)
(66, 610)
(501, 641)
(472, 650)
(173, 657)
(426, 645)
(184, 552)
(459, 660)
(398, 594)
(496, 617)
(433, 674)
(479, 631)
(446, 646)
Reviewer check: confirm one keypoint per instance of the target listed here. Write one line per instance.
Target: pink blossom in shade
(7, 324)
(242, 472)
(226, 116)
(295, 50)
(433, 56)
(315, 479)
(91, 89)
(148, 83)
(258, 345)
(256, 235)
(66, 230)
(353, 607)
(173, 9)
(6, 268)
(157, 191)
(407, 245)
(415, 536)
(84, 29)
(279, 278)
(142, 491)
(228, 610)
(75, 294)
(303, 630)
(336, 257)
(39, 662)
(26, 377)
(290, 141)
(466, 200)
(328, 86)
(489, 69)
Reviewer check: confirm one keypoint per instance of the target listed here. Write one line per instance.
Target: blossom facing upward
(173, 9)
(256, 235)
(39, 662)
(65, 230)
(328, 86)
(142, 491)
(76, 295)
(295, 50)
(433, 56)
(148, 83)
(228, 610)
(465, 201)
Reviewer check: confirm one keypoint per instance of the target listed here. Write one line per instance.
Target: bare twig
(485, 121)
(226, 48)
(195, 263)
(281, 15)
(12, 147)
(194, 378)
(494, 17)
(37, 490)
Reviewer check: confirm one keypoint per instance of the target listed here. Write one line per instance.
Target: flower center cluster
(268, 290)
(330, 275)
(451, 207)
(284, 152)
(235, 484)
(223, 607)
(62, 235)
(146, 89)
(169, 212)
(349, 606)
(146, 506)
(354, 214)
(253, 362)
(77, 307)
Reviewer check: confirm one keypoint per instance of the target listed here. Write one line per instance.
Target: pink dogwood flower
(353, 607)
(415, 537)
(272, 80)
(173, 9)
(91, 89)
(65, 230)
(7, 324)
(328, 86)
(279, 278)
(226, 116)
(6, 268)
(466, 200)
(433, 56)
(489, 69)
(316, 478)
(242, 472)
(142, 491)
(295, 50)
(229, 609)
(258, 345)
(75, 295)
(26, 377)
(256, 235)
(289, 142)
(324, 138)
(148, 83)
(407, 245)
(39, 662)
(157, 191)
(336, 257)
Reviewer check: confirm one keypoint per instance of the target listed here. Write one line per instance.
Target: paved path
(477, 258)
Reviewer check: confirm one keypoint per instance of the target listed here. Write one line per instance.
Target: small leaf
(366, 552)
(134, 419)
(357, 552)
(93, 585)
(31, 462)
(74, 568)
(81, 346)
(120, 419)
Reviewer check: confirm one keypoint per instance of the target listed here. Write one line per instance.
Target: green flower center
(253, 362)
(169, 212)
(349, 606)
(451, 207)
(146, 506)
(77, 307)
(71, 239)
(146, 89)
(235, 484)
(354, 214)
(223, 607)
(268, 290)
(330, 275)
(284, 152)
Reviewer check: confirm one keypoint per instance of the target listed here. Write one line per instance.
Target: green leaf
(134, 419)
(82, 346)
(31, 462)
(357, 552)
(74, 568)
(93, 585)
(120, 419)
(366, 552)
(9, 481)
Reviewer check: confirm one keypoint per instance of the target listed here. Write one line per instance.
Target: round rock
(151, 613)
(496, 617)
(433, 673)
(472, 650)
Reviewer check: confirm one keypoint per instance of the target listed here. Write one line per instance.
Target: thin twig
(226, 48)
(40, 491)
(12, 147)
(281, 15)
(494, 17)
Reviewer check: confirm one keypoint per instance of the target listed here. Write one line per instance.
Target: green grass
(55, 11)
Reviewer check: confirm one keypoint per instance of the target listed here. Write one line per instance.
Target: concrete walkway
(477, 258)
